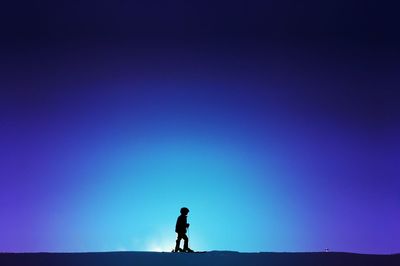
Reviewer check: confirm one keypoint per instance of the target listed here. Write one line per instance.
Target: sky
(275, 122)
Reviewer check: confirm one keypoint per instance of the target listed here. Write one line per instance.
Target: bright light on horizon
(162, 244)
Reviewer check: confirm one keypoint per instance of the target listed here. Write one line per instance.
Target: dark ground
(209, 258)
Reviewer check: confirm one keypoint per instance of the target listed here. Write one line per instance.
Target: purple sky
(275, 122)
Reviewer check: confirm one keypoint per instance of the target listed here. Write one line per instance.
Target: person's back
(181, 224)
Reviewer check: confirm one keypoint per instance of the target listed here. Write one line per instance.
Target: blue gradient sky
(275, 144)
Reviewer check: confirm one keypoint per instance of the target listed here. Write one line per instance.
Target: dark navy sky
(276, 120)
(222, 20)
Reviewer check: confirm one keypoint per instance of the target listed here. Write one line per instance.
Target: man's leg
(186, 242)
(178, 242)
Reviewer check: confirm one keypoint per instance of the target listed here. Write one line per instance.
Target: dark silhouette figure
(180, 229)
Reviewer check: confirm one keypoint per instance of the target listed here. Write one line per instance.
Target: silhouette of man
(180, 229)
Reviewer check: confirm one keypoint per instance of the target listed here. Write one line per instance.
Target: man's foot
(188, 250)
(178, 250)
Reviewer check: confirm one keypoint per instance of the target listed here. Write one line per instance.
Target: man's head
(184, 211)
